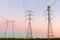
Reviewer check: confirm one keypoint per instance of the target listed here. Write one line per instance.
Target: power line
(42, 6)
(23, 2)
(27, 4)
(54, 3)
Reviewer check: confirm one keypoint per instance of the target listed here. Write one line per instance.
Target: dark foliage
(29, 39)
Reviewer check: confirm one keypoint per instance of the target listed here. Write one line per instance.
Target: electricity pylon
(50, 29)
(13, 28)
(28, 17)
(7, 25)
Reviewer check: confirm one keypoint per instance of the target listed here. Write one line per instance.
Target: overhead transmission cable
(25, 4)
(42, 6)
(54, 3)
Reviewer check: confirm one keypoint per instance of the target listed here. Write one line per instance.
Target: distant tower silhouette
(7, 25)
(13, 28)
(50, 29)
(29, 31)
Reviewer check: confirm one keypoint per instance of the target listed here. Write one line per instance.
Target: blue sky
(15, 10)
(18, 7)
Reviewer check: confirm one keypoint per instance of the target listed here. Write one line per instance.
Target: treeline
(29, 39)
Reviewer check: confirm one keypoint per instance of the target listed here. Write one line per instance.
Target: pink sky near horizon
(37, 28)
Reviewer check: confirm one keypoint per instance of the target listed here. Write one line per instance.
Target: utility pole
(29, 31)
(50, 29)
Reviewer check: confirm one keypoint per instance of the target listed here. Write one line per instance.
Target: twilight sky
(15, 10)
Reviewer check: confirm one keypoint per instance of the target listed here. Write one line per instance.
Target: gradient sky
(15, 10)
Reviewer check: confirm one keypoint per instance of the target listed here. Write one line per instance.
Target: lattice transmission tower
(29, 19)
(50, 28)
(7, 25)
(13, 25)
